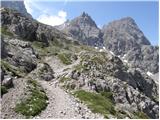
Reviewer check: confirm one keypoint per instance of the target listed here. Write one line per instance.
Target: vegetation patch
(65, 58)
(140, 115)
(38, 44)
(5, 31)
(96, 102)
(70, 86)
(57, 43)
(81, 67)
(107, 95)
(35, 102)
(10, 68)
(44, 49)
(63, 79)
(3, 90)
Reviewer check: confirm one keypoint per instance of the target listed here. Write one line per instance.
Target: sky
(56, 12)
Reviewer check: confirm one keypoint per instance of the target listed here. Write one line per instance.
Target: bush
(39, 44)
(140, 115)
(96, 102)
(70, 86)
(63, 79)
(65, 58)
(107, 95)
(3, 90)
(5, 31)
(81, 68)
(10, 68)
(35, 103)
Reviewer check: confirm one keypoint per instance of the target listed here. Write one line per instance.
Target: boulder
(45, 72)
(7, 81)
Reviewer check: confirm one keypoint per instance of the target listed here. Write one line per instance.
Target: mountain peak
(128, 20)
(84, 14)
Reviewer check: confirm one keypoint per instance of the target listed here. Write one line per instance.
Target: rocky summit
(76, 70)
(125, 39)
(84, 29)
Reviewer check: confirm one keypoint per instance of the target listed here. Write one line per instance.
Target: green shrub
(38, 44)
(70, 86)
(63, 79)
(5, 31)
(98, 60)
(81, 67)
(65, 58)
(107, 95)
(10, 68)
(96, 102)
(3, 90)
(35, 102)
(57, 43)
(140, 115)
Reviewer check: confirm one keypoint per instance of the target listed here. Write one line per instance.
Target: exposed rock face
(29, 29)
(124, 37)
(19, 54)
(145, 57)
(84, 29)
(16, 5)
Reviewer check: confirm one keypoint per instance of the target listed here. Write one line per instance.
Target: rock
(8, 81)
(75, 74)
(20, 54)
(45, 72)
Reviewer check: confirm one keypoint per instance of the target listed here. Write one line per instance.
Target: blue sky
(54, 13)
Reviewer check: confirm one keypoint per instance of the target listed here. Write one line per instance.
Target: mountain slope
(125, 39)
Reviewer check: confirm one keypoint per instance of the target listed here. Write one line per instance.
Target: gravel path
(62, 104)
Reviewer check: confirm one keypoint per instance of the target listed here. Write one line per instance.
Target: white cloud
(99, 26)
(62, 14)
(53, 20)
(28, 6)
(43, 13)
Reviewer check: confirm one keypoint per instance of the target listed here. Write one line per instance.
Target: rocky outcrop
(132, 89)
(124, 38)
(45, 72)
(84, 29)
(7, 81)
(30, 30)
(20, 54)
(146, 58)
(16, 5)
